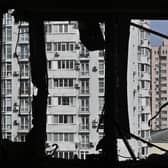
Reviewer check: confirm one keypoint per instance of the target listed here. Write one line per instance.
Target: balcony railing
(84, 127)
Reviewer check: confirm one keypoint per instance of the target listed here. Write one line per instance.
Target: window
(8, 104)
(84, 89)
(6, 69)
(163, 57)
(83, 51)
(24, 104)
(142, 84)
(24, 122)
(8, 18)
(49, 65)
(84, 104)
(8, 51)
(83, 154)
(84, 70)
(101, 67)
(67, 83)
(84, 141)
(142, 67)
(55, 28)
(22, 137)
(62, 119)
(66, 64)
(64, 46)
(50, 83)
(64, 155)
(143, 150)
(60, 28)
(7, 135)
(60, 137)
(101, 53)
(8, 86)
(84, 125)
(49, 136)
(65, 28)
(24, 69)
(48, 28)
(24, 51)
(142, 133)
(49, 100)
(49, 46)
(143, 117)
(9, 33)
(7, 122)
(24, 33)
(24, 86)
(101, 103)
(66, 100)
(101, 85)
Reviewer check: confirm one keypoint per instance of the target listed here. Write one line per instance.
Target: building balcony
(23, 129)
(84, 75)
(144, 76)
(60, 37)
(145, 109)
(84, 110)
(64, 146)
(83, 128)
(62, 91)
(84, 56)
(84, 145)
(61, 110)
(145, 93)
(84, 92)
(56, 55)
(143, 59)
(23, 41)
(68, 128)
(144, 126)
(59, 73)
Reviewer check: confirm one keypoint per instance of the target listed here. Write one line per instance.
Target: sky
(162, 27)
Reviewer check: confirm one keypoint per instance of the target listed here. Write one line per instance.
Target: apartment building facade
(139, 89)
(76, 88)
(159, 85)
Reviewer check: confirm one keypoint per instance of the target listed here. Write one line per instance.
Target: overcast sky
(161, 26)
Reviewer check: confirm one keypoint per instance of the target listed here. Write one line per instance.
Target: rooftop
(160, 136)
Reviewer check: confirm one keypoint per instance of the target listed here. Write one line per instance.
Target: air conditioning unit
(56, 54)
(94, 124)
(15, 73)
(94, 69)
(77, 86)
(77, 46)
(91, 145)
(15, 107)
(15, 123)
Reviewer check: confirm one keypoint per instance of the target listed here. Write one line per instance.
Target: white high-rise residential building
(139, 89)
(76, 87)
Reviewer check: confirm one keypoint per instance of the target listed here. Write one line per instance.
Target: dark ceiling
(54, 9)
